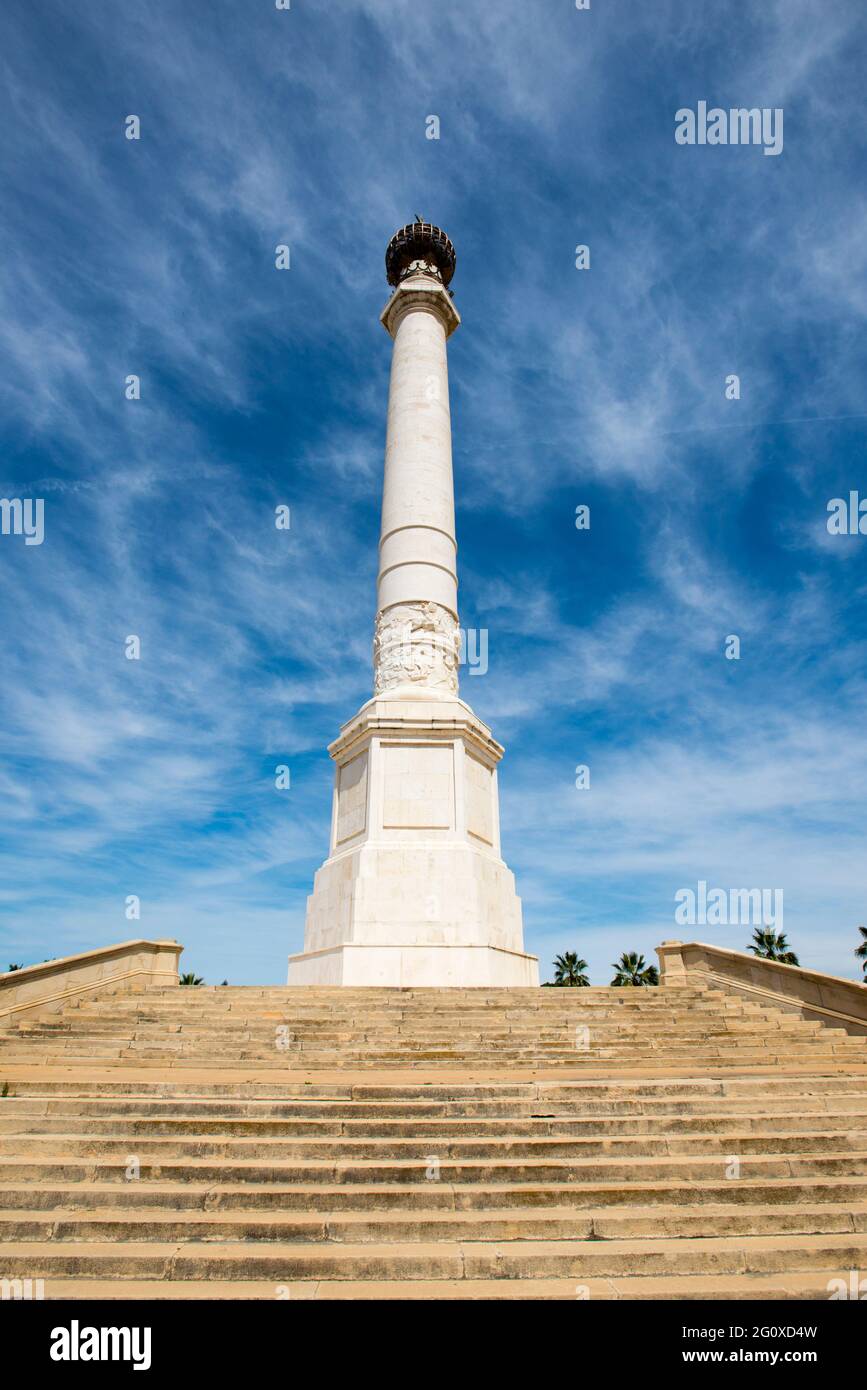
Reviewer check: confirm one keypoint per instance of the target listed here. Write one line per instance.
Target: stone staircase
(317, 1143)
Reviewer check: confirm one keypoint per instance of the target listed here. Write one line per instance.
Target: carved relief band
(416, 643)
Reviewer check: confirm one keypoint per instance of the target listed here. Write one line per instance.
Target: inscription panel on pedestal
(352, 798)
(417, 786)
(479, 800)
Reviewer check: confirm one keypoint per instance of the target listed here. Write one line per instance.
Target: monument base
(439, 967)
(414, 891)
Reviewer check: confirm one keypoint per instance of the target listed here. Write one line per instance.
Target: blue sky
(263, 387)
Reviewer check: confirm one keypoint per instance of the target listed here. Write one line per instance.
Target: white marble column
(417, 642)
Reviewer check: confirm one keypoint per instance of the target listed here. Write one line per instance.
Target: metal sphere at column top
(419, 241)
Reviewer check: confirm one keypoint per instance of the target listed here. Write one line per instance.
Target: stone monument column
(414, 891)
(417, 637)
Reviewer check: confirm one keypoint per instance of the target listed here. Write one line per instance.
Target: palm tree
(632, 970)
(772, 945)
(10, 968)
(191, 979)
(861, 950)
(569, 970)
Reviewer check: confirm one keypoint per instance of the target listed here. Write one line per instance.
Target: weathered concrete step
(563, 1047)
(118, 1196)
(389, 996)
(32, 1108)
(77, 1168)
(484, 1020)
(516, 1223)
(630, 1007)
(484, 1029)
(459, 1043)
(398, 992)
(505, 1146)
(802, 1286)
(635, 1026)
(435, 1087)
(662, 1060)
(249, 1085)
(548, 1006)
(401, 993)
(195, 1127)
(293, 1055)
(281, 1261)
(293, 1065)
(633, 1023)
(485, 1023)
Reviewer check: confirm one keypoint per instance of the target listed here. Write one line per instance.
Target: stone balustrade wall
(830, 999)
(125, 968)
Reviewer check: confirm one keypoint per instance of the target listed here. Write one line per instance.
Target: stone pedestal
(414, 891)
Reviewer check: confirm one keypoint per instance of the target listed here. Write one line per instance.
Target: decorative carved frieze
(417, 644)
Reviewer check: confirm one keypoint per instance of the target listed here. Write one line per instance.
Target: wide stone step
(339, 1015)
(810, 1285)
(292, 1059)
(570, 1034)
(339, 1007)
(484, 1020)
(484, 1025)
(835, 1254)
(411, 1087)
(459, 1139)
(35, 1113)
(568, 1044)
(425, 1225)
(507, 1127)
(572, 1038)
(174, 1196)
(543, 1147)
(73, 1167)
(401, 997)
(812, 1055)
(488, 1030)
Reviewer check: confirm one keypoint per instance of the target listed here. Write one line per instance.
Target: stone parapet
(829, 999)
(125, 968)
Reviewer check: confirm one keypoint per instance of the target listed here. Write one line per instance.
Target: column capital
(420, 292)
